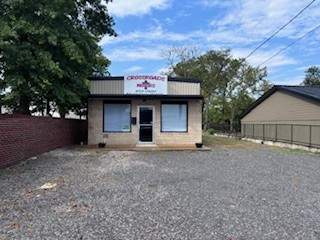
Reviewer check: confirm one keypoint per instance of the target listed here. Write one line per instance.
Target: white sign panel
(146, 84)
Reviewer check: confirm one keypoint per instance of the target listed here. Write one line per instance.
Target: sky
(146, 28)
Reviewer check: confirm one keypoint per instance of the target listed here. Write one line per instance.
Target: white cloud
(240, 25)
(262, 18)
(305, 68)
(162, 71)
(156, 33)
(215, 3)
(226, 38)
(289, 81)
(129, 54)
(169, 20)
(123, 8)
(133, 69)
(256, 59)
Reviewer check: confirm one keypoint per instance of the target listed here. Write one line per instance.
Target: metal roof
(306, 92)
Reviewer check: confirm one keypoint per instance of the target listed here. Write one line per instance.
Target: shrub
(211, 131)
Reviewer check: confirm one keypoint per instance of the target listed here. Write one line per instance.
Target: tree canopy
(312, 77)
(48, 49)
(229, 84)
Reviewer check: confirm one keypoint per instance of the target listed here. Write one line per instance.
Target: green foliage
(312, 77)
(48, 49)
(211, 131)
(229, 85)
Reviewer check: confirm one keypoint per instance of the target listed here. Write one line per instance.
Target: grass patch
(215, 141)
(295, 150)
(212, 141)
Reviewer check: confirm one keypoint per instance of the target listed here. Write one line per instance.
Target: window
(117, 117)
(174, 117)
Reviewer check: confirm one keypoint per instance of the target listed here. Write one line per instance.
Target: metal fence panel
(301, 134)
(315, 136)
(306, 135)
(249, 130)
(284, 133)
(258, 131)
(270, 132)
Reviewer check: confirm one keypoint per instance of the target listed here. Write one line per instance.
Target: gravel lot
(228, 193)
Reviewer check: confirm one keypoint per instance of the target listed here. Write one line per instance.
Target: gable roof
(172, 79)
(307, 92)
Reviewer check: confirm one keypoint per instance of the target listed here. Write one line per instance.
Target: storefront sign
(146, 84)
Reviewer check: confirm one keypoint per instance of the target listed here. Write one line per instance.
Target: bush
(211, 131)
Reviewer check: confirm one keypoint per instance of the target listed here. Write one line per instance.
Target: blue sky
(147, 28)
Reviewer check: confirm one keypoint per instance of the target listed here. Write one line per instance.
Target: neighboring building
(285, 114)
(139, 110)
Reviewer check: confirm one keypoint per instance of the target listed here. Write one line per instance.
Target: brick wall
(22, 137)
(194, 134)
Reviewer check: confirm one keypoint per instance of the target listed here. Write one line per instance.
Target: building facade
(289, 114)
(144, 110)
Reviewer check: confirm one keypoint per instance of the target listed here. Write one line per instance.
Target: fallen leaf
(15, 224)
(48, 186)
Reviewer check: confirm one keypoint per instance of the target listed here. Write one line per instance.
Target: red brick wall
(22, 137)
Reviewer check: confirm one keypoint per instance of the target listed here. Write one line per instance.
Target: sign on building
(146, 84)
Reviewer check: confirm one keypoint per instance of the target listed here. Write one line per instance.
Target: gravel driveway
(228, 193)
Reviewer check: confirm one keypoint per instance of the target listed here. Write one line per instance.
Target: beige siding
(117, 87)
(183, 88)
(282, 108)
(194, 134)
(107, 87)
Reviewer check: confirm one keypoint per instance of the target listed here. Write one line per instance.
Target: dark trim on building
(105, 78)
(174, 102)
(171, 79)
(133, 96)
(303, 92)
(187, 113)
(116, 102)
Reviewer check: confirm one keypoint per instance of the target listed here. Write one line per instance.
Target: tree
(182, 56)
(229, 85)
(312, 77)
(241, 88)
(48, 49)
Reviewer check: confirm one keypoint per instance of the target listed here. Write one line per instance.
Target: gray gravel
(229, 193)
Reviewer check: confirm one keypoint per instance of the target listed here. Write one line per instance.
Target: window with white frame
(174, 117)
(116, 117)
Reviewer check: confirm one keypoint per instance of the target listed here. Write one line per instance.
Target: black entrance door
(145, 124)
